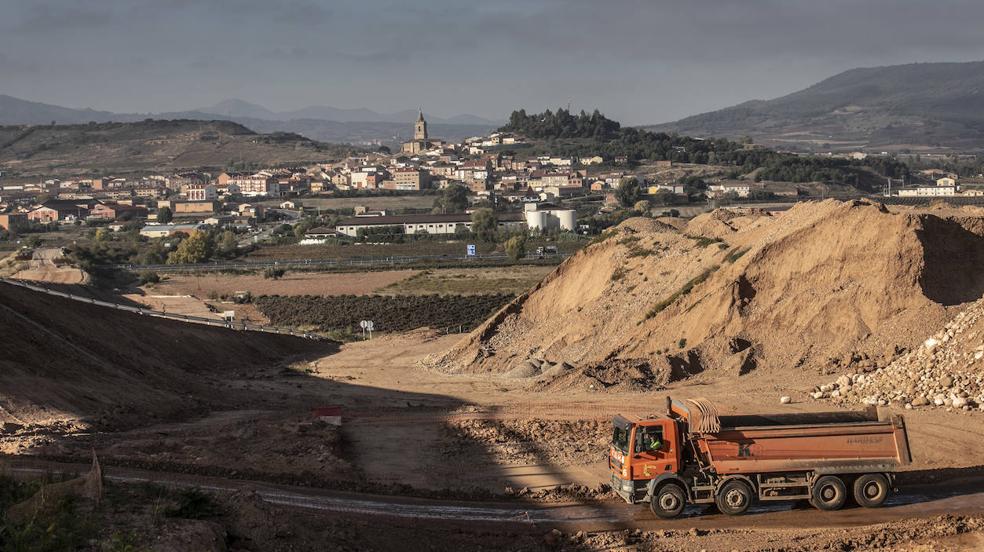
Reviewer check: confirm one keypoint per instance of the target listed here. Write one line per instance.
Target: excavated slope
(64, 360)
(737, 291)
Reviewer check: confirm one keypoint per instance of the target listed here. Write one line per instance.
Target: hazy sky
(637, 61)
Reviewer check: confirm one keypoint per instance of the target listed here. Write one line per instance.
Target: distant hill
(320, 123)
(15, 111)
(915, 106)
(239, 108)
(151, 146)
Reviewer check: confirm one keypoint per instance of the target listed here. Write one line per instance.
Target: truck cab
(642, 450)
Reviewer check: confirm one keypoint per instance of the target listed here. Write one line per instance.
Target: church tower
(420, 128)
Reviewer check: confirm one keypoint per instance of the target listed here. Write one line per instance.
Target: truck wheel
(871, 490)
(668, 501)
(734, 498)
(829, 493)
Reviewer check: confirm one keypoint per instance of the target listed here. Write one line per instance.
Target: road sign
(363, 324)
(471, 250)
(367, 326)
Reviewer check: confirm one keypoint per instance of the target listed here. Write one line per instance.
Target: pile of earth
(65, 363)
(526, 441)
(734, 292)
(945, 371)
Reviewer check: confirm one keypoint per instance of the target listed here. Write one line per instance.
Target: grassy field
(470, 281)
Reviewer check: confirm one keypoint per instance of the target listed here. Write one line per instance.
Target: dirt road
(916, 502)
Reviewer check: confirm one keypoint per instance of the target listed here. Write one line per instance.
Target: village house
(12, 220)
(168, 230)
(738, 189)
(200, 192)
(259, 184)
(116, 211)
(61, 210)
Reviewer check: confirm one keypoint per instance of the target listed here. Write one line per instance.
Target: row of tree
(594, 134)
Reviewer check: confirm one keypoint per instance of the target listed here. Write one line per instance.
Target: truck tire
(871, 490)
(668, 501)
(734, 498)
(829, 493)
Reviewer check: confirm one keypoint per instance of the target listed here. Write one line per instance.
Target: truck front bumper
(630, 491)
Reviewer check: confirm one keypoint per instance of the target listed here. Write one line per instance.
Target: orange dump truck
(692, 455)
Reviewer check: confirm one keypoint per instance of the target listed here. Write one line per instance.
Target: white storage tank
(536, 220)
(567, 218)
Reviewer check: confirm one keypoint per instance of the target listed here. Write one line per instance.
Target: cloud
(643, 60)
(12, 67)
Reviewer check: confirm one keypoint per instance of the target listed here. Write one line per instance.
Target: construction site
(211, 438)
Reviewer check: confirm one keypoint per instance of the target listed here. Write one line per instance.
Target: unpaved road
(965, 498)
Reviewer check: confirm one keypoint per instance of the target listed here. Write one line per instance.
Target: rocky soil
(945, 371)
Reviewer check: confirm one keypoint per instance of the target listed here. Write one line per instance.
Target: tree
(516, 247)
(484, 225)
(453, 199)
(629, 191)
(148, 277)
(227, 245)
(274, 273)
(164, 215)
(642, 206)
(102, 234)
(195, 249)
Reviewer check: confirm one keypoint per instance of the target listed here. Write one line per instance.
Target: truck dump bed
(835, 442)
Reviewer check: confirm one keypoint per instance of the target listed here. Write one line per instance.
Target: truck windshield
(620, 438)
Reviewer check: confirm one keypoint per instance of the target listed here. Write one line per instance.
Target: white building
(718, 190)
(928, 191)
(430, 224)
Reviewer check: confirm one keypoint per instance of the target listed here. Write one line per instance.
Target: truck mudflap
(630, 491)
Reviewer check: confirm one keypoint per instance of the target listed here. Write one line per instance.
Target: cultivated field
(467, 281)
(292, 283)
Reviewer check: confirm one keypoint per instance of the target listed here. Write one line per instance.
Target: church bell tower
(420, 128)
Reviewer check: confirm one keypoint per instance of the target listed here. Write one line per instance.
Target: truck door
(654, 450)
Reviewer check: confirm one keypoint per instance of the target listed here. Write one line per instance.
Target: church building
(420, 140)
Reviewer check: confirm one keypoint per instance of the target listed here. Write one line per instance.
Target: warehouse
(430, 224)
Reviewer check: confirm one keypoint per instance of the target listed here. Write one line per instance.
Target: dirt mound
(65, 360)
(945, 371)
(736, 292)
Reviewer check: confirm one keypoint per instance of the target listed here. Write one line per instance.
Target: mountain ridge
(914, 106)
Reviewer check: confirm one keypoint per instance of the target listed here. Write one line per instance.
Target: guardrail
(356, 262)
(238, 326)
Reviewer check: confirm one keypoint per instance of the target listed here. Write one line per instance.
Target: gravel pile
(945, 371)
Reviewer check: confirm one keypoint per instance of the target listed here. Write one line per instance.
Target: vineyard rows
(389, 314)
